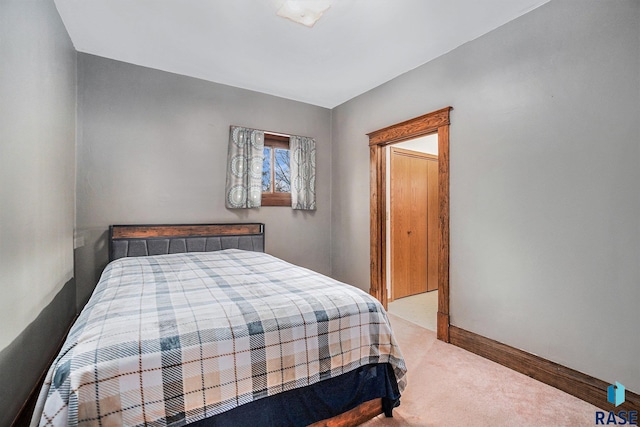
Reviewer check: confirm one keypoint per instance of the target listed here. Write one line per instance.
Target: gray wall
(152, 148)
(37, 188)
(545, 168)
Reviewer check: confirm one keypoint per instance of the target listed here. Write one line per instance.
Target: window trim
(273, 198)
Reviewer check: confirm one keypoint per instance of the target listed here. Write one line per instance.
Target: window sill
(276, 199)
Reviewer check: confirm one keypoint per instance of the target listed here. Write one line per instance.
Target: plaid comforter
(171, 339)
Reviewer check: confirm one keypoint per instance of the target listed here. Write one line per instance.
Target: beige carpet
(448, 386)
(421, 309)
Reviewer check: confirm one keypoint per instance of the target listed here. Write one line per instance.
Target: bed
(195, 324)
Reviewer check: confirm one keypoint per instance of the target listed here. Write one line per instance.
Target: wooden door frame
(435, 122)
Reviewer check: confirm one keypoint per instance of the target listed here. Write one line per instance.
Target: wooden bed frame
(137, 240)
(182, 232)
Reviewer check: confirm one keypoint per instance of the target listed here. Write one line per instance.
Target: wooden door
(414, 222)
(401, 211)
(433, 225)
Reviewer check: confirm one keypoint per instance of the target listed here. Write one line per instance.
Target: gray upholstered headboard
(143, 240)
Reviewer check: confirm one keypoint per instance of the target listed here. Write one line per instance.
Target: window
(276, 171)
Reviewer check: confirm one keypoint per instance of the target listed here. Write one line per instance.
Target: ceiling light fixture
(305, 12)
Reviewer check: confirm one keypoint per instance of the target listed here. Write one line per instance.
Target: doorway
(412, 230)
(435, 122)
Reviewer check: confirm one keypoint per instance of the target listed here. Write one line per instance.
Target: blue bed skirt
(306, 405)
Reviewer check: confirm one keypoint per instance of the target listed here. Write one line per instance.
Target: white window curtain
(244, 168)
(303, 172)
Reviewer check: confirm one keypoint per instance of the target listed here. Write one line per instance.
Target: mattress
(175, 339)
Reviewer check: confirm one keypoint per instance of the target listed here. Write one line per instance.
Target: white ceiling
(422, 144)
(356, 46)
